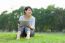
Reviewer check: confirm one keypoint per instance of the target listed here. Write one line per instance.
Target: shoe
(28, 37)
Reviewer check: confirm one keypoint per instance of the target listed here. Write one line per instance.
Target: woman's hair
(26, 8)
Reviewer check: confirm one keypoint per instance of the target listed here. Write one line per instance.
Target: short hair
(26, 8)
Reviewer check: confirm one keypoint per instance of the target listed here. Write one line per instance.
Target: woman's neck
(27, 17)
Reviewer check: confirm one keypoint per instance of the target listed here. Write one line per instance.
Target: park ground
(10, 37)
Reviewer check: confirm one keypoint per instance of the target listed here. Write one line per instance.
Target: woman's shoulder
(33, 17)
(21, 16)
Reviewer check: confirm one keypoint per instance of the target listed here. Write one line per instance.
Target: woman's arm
(20, 19)
(32, 24)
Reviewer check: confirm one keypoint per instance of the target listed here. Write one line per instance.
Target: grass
(10, 37)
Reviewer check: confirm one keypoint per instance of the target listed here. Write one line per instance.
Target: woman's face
(28, 12)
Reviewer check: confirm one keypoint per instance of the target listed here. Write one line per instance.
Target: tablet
(24, 23)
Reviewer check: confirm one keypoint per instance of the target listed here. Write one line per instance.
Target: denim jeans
(24, 30)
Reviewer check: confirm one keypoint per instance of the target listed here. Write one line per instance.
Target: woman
(29, 29)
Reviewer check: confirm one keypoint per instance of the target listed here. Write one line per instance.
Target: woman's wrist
(29, 26)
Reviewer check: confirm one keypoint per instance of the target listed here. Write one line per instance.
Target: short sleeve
(20, 19)
(32, 23)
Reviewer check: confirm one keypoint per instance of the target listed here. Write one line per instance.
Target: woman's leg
(20, 30)
(18, 34)
(27, 30)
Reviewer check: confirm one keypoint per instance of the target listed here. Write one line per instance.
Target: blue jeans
(24, 30)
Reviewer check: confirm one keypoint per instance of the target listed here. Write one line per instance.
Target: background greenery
(10, 37)
(50, 19)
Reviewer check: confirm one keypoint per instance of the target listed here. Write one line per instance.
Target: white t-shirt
(31, 21)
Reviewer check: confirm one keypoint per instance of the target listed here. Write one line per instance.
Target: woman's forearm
(29, 26)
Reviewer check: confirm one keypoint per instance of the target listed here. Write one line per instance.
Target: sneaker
(27, 37)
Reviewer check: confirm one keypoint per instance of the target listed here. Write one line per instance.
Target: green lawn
(38, 38)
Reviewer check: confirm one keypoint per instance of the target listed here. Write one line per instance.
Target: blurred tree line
(50, 19)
